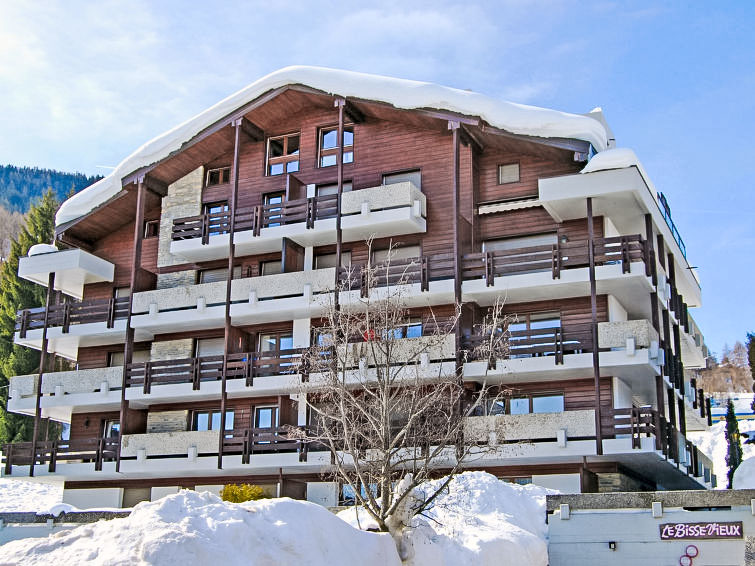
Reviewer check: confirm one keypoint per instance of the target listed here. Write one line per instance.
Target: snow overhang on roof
(405, 94)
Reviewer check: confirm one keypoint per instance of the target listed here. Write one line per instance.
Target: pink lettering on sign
(682, 531)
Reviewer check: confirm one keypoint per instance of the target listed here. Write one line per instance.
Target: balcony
(72, 268)
(383, 211)
(560, 271)
(93, 451)
(61, 390)
(72, 325)
(629, 350)
(539, 427)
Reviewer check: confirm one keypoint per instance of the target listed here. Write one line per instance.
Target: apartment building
(186, 284)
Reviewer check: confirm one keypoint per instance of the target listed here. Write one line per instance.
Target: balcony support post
(455, 128)
(341, 105)
(650, 266)
(594, 313)
(128, 349)
(238, 126)
(42, 364)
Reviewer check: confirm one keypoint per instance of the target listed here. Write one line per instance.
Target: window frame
(388, 174)
(326, 152)
(530, 401)
(285, 158)
(224, 172)
(499, 170)
(193, 420)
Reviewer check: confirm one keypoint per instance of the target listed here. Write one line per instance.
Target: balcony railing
(263, 441)
(97, 450)
(535, 342)
(409, 271)
(245, 366)
(306, 210)
(554, 258)
(69, 314)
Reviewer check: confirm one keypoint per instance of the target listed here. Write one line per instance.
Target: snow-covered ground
(713, 444)
(479, 521)
(20, 495)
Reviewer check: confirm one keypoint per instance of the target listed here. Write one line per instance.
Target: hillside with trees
(20, 186)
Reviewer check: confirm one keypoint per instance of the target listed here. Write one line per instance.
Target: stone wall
(172, 349)
(184, 198)
(167, 421)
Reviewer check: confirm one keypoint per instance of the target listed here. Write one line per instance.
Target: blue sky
(83, 84)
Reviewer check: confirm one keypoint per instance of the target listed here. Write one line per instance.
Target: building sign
(687, 531)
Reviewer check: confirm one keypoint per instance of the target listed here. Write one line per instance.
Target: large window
(272, 267)
(328, 152)
(266, 417)
(209, 347)
(210, 420)
(111, 428)
(329, 260)
(332, 189)
(273, 206)
(412, 328)
(395, 254)
(217, 274)
(535, 403)
(283, 154)
(547, 239)
(273, 341)
(115, 359)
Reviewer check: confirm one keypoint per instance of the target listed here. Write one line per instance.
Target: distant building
(486, 199)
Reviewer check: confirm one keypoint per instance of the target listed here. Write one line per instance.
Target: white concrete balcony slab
(95, 389)
(67, 344)
(632, 288)
(383, 211)
(284, 296)
(558, 427)
(624, 195)
(73, 269)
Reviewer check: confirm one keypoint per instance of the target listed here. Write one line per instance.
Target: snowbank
(19, 495)
(479, 521)
(617, 158)
(713, 443)
(744, 475)
(191, 528)
(401, 93)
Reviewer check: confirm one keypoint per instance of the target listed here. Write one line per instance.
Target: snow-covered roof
(401, 93)
(617, 158)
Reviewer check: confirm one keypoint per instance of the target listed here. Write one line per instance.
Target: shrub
(238, 493)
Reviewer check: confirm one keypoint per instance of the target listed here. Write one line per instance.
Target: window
(271, 267)
(272, 214)
(414, 177)
(219, 176)
(115, 359)
(275, 341)
(283, 154)
(529, 256)
(508, 173)
(266, 417)
(329, 260)
(151, 228)
(215, 207)
(121, 292)
(394, 254)
(410, 329)
(209, 347)
(520, 242)
(111, 428)
(332, 189)
(329, 145)
(210, 420)
(536, 403)
(217, 274)
(218, 209)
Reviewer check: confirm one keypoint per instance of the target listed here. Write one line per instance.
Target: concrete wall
(622, 394)
(531, 426)
(323, 493)
(93, 498)
(615, 334)
(160, 492)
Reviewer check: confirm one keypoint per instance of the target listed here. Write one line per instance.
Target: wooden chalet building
(222, 238)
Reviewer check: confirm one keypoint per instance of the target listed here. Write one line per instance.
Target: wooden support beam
(471, 138)
(341, 104)
(42, 364)
(594, 314)
(354, 114)
(154, 185)
(252, 130)
(238, 128)
(128, 348)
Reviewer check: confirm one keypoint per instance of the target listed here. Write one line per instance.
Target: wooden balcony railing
(68, 314)
(246, 366)
(306, 210)
(263, 441)
(422, 270)
(97, 450)
(536, 342)
(555, 258)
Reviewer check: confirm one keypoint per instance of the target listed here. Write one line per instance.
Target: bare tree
(386, 398)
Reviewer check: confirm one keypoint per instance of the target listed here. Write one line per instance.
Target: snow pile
(401, 93)
(191, 528)
(744, 475)
(617, 158)
(479, 521)
(19, 495)
(713, 444)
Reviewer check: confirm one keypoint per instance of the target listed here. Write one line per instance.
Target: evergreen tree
(734, 446)
(16, 294)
